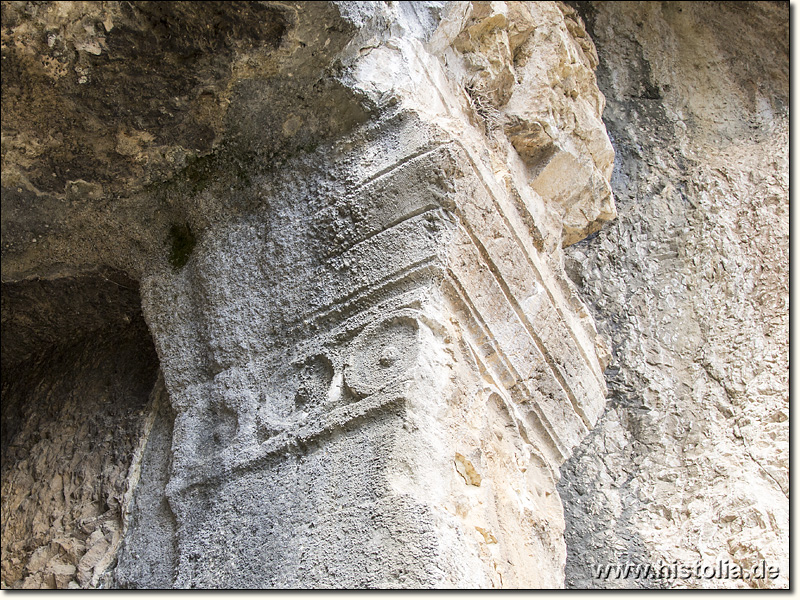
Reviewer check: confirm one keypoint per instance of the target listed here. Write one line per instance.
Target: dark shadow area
(78, 372)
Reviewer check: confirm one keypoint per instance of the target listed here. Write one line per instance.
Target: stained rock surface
(353, 232)
(690, 462)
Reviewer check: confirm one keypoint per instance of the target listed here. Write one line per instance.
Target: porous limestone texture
(346, 221)
(690, 462)
(348, 228)
(147, 555)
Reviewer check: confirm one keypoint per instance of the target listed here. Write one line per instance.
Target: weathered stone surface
(356, 296)
(346, 222)
(115, 113)
(147, 555)
(78, 367)
(690, 463)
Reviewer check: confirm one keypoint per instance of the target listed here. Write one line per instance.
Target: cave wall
(78, 371)
(690, 462)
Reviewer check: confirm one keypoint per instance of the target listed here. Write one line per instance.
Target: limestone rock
(342, 227)
(690, 463)
(78, 367)
(347, 275)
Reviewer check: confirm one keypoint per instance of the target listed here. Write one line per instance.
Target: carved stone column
(376, 376)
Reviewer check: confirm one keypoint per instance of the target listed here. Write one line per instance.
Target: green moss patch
(182, 241)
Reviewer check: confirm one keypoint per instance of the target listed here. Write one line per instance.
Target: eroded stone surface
(347, 223)
(114, 113)
(353, 285)
(690, 463)
(78, 369)
(147, 555)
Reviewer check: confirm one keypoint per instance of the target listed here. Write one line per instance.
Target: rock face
(78, 370)
(348, 228)
(690, 462)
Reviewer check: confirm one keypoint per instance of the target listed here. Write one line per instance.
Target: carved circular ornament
(382, 353)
